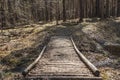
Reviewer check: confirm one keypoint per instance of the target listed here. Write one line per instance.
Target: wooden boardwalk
(60, 60)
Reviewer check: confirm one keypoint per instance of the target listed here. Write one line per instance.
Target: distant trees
(46, 10)
(80, 10)
(64, 11)
(3, 14)
(17, 12)
(118, 7)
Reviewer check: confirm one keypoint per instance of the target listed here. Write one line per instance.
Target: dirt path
(60, 58)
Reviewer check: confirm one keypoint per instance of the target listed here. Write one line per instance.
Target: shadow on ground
(18, 60)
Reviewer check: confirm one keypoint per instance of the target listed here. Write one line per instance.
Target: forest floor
(20, 46)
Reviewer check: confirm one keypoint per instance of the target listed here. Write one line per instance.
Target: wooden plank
(58, 74)
(64, 77)
(95, 71)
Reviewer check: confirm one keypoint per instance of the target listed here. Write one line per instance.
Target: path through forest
(15, 56)
(60, 59)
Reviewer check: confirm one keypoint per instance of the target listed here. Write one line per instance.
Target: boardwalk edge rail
(25, 72)
(95, 71)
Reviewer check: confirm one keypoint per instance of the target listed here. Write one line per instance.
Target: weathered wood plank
(65, 77)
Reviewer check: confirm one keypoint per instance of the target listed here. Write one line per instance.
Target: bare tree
(64, 11)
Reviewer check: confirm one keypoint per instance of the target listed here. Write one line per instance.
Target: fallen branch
(112, 45)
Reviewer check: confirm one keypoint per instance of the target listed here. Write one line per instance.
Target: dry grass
(19, 38)
(21, 45)
(102, 31)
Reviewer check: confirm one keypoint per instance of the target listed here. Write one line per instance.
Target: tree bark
(64, 11)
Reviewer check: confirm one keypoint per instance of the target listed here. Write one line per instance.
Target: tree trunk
(64, 11)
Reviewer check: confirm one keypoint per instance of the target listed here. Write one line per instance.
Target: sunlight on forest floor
(20, 46)
(13, 38)
(16, 44)
(101, 32)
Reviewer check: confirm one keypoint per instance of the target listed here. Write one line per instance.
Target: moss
(4, 53)
(70, 24)
(85, 24)
(106, 54)
(105, 76)
(7, 74)
(118, 60)
(14, 61)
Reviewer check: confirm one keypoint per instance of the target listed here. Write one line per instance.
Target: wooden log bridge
(61, 60)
